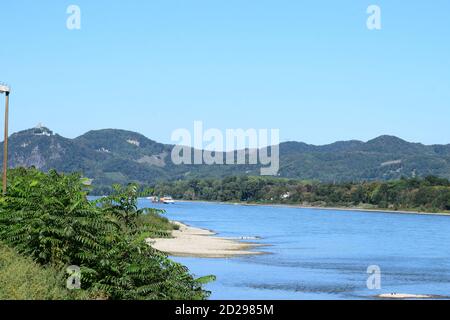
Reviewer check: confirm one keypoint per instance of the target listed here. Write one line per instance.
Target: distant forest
(423, 194)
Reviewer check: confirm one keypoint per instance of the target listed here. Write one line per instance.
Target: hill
(118, 156)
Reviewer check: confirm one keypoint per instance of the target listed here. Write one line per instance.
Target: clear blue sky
(310, 68)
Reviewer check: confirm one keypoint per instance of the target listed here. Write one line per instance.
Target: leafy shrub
(49, 218)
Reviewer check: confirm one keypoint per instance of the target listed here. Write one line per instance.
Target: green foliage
(49, 218)
(430, 193)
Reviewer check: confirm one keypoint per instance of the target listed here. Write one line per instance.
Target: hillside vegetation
(117, 156)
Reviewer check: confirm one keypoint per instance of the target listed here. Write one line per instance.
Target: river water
(320, 254)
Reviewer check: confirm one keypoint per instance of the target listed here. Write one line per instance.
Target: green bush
(49, 218)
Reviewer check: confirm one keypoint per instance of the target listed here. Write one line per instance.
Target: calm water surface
(320, 254)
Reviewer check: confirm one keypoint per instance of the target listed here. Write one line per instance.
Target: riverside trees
(427, 194)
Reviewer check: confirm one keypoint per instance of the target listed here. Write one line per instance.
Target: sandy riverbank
(189, 241)
(405, 296)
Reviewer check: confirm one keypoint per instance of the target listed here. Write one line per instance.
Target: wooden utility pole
(5, 89)
(5, 143)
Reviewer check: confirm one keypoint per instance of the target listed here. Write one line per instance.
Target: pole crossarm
(4, 88)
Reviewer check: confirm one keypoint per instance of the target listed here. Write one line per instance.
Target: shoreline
(409, 296)
(195, 242)
(299, 206)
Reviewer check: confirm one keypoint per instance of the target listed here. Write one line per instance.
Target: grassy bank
(23, 279)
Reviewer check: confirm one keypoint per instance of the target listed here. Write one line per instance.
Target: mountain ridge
(121, 156)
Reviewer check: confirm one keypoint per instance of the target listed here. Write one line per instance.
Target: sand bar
(195, 242)
(404, 296)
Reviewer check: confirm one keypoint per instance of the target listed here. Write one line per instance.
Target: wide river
(320, 254)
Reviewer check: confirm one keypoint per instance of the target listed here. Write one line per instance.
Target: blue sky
(310, 68)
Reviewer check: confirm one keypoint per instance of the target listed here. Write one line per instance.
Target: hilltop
(118, 156)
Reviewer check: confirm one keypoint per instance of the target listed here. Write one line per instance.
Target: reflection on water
(320, 254)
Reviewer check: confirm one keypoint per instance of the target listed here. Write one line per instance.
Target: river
(320, 254)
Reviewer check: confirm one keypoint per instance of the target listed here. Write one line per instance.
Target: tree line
(425, 194)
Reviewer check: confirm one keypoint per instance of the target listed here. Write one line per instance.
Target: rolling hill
(117, 156)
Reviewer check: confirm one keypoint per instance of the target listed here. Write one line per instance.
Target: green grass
(160, 227)
(23, 279)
